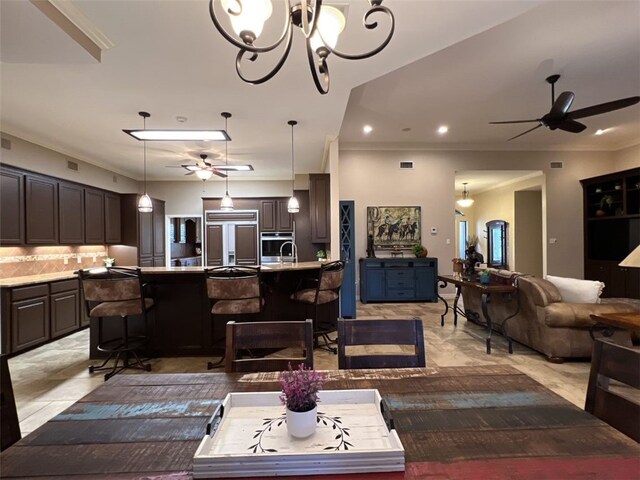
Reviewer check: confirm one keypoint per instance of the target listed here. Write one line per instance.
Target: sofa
(557, 329)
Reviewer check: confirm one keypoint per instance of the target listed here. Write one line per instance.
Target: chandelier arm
(369, 26)
(309, 26)
(249, 46)
(319, 68)
(254, 57)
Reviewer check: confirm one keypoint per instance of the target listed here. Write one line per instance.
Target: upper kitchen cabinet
(94, 216)
(41, 210)
(71, 210)
(158, 234)
(112, 228)
(11, 207)
(320, 207)
(274, 216)
(145, 231)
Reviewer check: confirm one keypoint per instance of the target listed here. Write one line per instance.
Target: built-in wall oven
(270, 243)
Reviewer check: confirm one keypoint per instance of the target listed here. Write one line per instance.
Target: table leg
(504, 322)
(443, 284)
(456, 309)
(486, 299)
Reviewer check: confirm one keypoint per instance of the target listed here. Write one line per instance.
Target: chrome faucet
(294, 252)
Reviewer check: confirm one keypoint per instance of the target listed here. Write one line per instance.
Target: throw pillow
(574, 290)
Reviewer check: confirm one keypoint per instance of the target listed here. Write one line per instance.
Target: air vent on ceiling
(408, 165)
(72, 165)
(555, 164)
(6, 144)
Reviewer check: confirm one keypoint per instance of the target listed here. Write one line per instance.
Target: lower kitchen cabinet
(29, 323)
(398, 280)
(65, 307)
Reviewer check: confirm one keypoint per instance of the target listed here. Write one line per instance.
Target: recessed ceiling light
(367, 129)
(600, 131)
(442, 129)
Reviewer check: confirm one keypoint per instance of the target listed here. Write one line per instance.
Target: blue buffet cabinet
(398, 279)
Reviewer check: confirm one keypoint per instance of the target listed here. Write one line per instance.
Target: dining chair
(10, 431)
(321, 290)
(615, 403)
(375, 337)
(111, 293)
(233, 291)
(255, 336)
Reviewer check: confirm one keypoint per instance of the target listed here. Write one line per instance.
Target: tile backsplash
(21, 261)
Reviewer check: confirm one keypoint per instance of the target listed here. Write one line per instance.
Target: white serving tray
(249, 438)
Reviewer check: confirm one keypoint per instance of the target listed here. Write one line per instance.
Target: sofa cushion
(538, 290)
(573, 315)
(573, 290)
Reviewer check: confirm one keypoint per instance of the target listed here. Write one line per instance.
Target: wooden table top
(490, 288)
(455, 422)
(628, 320)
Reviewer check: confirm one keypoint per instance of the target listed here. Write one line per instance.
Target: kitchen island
(181, 323)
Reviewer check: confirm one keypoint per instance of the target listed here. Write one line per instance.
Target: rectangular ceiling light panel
(178, 135)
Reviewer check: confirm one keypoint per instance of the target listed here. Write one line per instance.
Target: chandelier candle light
(226, 204)
(320, 24)
(293, 206)
(144, 202)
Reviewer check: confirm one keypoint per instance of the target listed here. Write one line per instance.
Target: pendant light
(226, 205)
(293, 206)
(144, 202)
(465, 201)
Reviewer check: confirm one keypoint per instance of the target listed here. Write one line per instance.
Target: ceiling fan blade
(561, 105)
(515, 121)
(572, 126)
(190, 173)
(219, 173)
(603, 108)
(174, 166)
(524, 133)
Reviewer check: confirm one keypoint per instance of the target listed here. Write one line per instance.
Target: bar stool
(325, 290)
(117, 292)
(233, 290)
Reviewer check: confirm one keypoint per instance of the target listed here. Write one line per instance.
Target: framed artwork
(394, 227)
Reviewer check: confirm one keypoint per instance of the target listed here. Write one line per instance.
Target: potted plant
(605, 203)
(420, 250)
(300, 396)
(321, 255)
(108, 262)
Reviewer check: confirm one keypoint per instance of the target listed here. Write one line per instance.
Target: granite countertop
(67, 275)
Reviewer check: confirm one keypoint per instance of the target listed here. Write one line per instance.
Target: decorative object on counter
(109, 262)
(397, 251)
(371, 252)
(485, 277)
(293, 206)
(465, 201)
(226, 204)
(321, 255)
(473, 257)
(458, 264)
(617, 186)
(300, 395)
(144, 202)
(605, 204)
(394, 226)
(420, 251)
(598, 190)
(320, 24)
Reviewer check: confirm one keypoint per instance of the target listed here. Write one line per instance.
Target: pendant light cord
(144, 148)
(226, 157)
(293, 175)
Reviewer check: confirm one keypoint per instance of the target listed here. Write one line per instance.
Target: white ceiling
(476, 61)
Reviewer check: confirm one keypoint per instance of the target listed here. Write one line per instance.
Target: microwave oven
(270, 244)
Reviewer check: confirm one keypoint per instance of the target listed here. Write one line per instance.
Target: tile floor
(50, 378)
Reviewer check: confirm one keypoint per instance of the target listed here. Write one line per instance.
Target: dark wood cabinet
(274, 216)
(29, 317)
(41, 210)
(158, 230)
(246, 245)
(65, 307)
(214, 245)
(112, 227)
(11, 207)
(320, 207)
(398, 280)
(71, 213)
(94, 216)
(612, 230)
(145, 231)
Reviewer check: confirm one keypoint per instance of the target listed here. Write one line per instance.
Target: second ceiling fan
(559, 117)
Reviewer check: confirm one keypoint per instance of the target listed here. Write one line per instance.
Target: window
(462, 238)
(497, 244)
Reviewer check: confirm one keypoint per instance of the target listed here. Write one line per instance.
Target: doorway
(184, 240)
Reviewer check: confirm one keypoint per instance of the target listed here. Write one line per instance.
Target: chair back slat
(352, 333)
(268, 335)
(10, 430)
(615, 404)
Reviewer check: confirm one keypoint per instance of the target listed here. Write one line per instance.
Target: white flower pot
(302, 424)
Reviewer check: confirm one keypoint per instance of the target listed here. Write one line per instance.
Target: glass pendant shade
(144, 204)
(465, 201)
(293, 206)
(204, 174)
(331, 23)
(226, 205)
(248, 17)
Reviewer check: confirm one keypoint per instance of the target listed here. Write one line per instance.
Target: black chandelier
(321, 27)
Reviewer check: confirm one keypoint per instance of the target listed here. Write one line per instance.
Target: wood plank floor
(49, 379)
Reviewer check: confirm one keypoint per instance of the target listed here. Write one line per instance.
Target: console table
(608, 321)
(398, 279)
(487, 291)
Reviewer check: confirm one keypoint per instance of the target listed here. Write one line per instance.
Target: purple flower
(300, 388)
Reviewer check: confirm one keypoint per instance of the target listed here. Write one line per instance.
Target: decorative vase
(422, 253)
(302, 424)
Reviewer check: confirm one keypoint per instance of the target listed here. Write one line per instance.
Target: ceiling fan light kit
(559, 117)
(320, 24)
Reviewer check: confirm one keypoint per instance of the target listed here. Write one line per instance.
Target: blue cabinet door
(426, 286)
(347, 254)
(375, 284)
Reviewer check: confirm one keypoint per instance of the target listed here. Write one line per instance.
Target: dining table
(468, 422)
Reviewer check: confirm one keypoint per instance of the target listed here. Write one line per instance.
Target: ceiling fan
(200, 165)
(559, 117)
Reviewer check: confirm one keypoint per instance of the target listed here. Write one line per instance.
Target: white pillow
(573, 290)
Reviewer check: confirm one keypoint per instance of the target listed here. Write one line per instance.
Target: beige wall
(528, 245)
(373, 178)
(627, 158)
